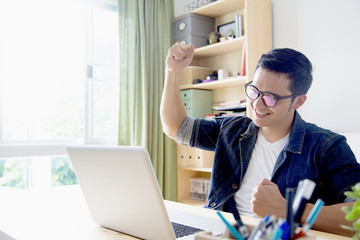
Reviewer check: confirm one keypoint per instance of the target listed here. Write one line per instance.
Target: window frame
(110, 5)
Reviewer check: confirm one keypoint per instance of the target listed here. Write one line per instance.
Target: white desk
(61, 213)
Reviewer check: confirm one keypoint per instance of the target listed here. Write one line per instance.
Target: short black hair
(291, 62)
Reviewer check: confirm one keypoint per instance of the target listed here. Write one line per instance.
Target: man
(256, 160)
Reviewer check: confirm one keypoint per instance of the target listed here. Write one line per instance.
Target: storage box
(194, 157)
(193, 28)
(197, 102)
(203, 158)
(188, 74)
(185, 155)
(223, 74)
(194, 40)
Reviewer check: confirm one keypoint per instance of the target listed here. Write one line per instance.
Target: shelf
(220, 48)
(220, 7)
(196, 169)
(226, 83)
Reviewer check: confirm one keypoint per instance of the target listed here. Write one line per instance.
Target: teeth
(260, 113)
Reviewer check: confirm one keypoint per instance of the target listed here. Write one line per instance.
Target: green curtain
(146, 30)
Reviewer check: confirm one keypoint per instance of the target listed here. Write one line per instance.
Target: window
(103, 74)
(13, 173)
(42, 71)
(58, 85)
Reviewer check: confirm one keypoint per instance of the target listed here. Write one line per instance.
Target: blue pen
(285, 227)
(233, 230)
(313, 214)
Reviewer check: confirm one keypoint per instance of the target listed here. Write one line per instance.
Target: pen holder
(207, 235)
(308, 237)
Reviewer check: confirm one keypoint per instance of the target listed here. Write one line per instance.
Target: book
(237, 105)
(199, 188)
(243, 62)
(238, 26)
(233, 114)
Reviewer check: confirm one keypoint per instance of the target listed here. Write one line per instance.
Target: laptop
(122, 193)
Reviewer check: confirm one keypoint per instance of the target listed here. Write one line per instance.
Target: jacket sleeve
(339, 166)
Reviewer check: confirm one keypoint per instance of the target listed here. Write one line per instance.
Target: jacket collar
(251, 130)
(297, 135)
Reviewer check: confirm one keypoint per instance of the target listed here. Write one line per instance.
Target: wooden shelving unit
(221, 7)
(204, 170)
(220, 48)
(257, 24)
(226, 83)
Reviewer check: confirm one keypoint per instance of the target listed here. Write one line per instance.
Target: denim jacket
(311, 153)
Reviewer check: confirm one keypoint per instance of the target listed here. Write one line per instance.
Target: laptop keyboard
(181, 230)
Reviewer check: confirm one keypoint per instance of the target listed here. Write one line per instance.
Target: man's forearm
(330, 219)
(172, 110)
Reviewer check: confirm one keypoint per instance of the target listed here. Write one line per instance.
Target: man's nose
(259, 103)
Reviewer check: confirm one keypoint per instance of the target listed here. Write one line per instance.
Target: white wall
(179, 6)
(328, 33)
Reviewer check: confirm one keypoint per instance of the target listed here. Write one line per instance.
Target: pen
(303, 194)
(259, 229)
(277, 234)
(313, 214)
(286, 230)
(233, 230)
(244, 232)
(271, 221)
(241, 227)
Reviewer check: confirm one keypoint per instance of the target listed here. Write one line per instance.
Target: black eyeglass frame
(277, 98)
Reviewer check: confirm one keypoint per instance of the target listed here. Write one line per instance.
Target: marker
(233, 230)
(290, 192)
(299, 235)
(302, 196)
(277, 234)
(313, 215)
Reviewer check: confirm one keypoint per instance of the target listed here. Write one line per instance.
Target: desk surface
(61, 213)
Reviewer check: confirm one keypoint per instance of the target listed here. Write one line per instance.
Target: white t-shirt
(261, 165)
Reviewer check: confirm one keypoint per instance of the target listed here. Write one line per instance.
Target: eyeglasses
(268, 98)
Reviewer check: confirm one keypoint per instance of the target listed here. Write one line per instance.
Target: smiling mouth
(261, 114)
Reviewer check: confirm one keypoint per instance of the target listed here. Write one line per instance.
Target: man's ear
(299, 101)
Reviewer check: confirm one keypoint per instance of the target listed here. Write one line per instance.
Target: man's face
(279, 116)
